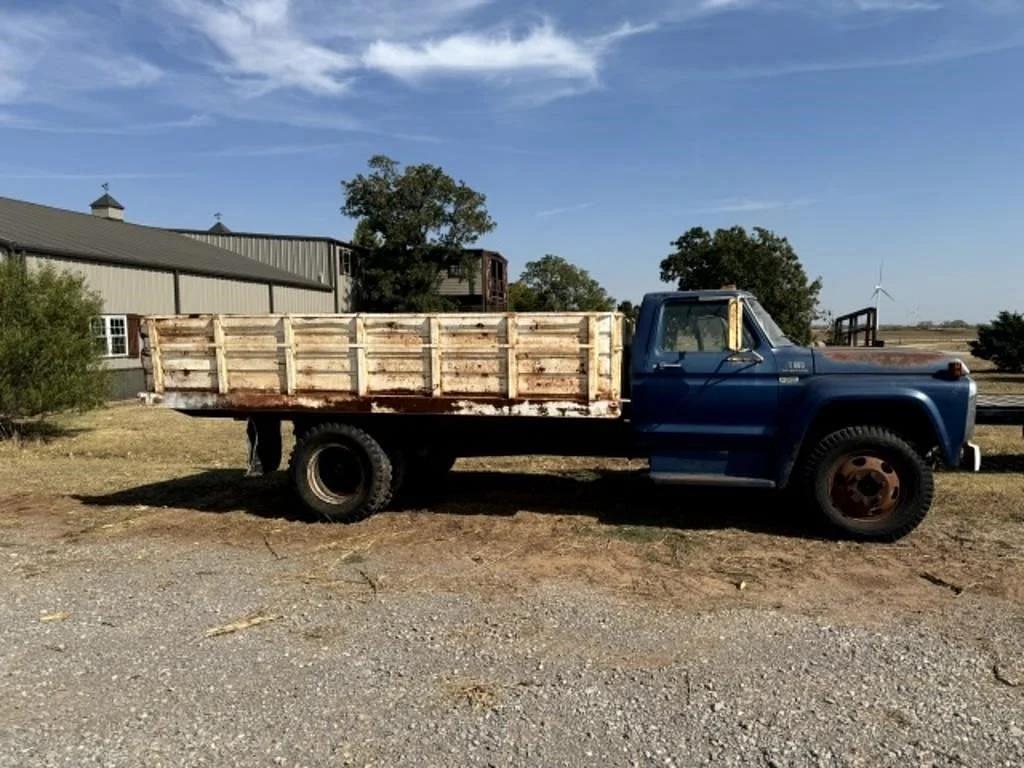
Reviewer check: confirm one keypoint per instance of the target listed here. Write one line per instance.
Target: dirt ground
(130, 472)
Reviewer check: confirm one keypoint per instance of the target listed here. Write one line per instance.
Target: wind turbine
(880, 289)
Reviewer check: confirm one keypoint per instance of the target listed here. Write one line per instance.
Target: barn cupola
(219, 227)
(106, 207)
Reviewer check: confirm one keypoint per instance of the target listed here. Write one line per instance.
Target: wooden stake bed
(522, 364)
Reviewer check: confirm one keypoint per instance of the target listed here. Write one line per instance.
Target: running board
(682, 478)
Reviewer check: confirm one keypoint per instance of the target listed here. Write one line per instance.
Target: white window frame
(108, 336)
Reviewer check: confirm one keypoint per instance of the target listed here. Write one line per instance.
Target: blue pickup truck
(710, 392)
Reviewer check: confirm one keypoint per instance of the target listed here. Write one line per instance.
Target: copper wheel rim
(863, 486)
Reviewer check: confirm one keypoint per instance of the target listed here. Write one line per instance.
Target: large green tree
(760, 262)
(1002, 342)
(552, 284)
(414, 224)
(49, 360)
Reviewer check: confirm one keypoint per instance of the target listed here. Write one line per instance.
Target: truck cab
(720, 396)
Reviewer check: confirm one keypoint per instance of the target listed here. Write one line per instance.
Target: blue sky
(864, 130)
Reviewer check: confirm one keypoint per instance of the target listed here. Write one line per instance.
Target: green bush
(1002, 342)
(49, 361)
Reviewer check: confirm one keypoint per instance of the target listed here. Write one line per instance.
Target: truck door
(705, 414)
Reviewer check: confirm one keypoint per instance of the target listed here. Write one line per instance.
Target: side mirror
(735, 325)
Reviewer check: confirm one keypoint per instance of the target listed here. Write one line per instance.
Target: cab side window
(697, 326)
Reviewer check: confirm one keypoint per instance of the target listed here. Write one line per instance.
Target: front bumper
(970, 457)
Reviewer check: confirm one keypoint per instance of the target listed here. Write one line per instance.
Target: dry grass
(129, 473)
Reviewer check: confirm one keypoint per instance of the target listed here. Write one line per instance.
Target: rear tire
(869, 483)
(341, 472)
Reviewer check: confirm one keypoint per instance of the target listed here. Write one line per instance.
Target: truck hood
(880, 361)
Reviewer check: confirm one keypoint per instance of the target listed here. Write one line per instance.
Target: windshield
(775, 335)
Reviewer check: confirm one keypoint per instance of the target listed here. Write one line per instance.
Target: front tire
(341, 472)
(869, 483)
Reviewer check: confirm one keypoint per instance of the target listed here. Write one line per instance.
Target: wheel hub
(335, 473)
(864, 486)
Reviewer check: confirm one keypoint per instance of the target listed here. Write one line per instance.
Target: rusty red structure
(857, 329)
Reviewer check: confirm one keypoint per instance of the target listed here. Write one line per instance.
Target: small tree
(522, 298)
(1002, 342)
(630, 310)
(49, 360)
(762, 263)
(413, 223)
(552, 284)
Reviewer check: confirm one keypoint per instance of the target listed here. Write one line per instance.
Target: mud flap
(970, 459)
(264, 437)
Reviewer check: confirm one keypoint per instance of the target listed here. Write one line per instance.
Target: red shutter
(134, 325)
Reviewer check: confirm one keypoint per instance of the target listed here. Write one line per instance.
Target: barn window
(111, 334)
(346, 261)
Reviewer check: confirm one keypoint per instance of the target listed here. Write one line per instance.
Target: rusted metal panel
(882, 357)
(501, 363)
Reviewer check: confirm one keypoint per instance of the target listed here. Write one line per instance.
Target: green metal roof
(47, 231)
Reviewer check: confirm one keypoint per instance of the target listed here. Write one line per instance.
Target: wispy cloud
(98, 176)
(566, 209)
(812, 6)
(734, 205)
(922, 58)
(259, 46)
(543, 51)
(361, 20)
(47, 54)
(278, 150)
(9, 120)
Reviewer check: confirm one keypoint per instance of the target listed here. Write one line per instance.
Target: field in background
(956, 340)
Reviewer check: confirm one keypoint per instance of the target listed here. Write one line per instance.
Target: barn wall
(460, 286)
(309, 258)
(215, 294)
(288, 299)
(126, 383)
(128, 290)
(346, 295)
(455, 286)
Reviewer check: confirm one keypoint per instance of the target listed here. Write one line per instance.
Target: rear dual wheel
(341, 472)
(869, 482)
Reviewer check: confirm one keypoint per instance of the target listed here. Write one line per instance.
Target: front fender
(819, 394)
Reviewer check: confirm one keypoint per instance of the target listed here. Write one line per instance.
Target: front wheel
(869, 482)
(341, 472)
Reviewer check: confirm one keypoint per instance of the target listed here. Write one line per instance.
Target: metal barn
(139, 270)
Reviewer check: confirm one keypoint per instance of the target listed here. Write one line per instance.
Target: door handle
(667, 366)
(751, 357)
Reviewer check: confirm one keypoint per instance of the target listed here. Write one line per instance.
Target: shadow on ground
(36, 431)
(614, 497)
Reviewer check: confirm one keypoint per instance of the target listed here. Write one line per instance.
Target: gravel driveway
(106, 659)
